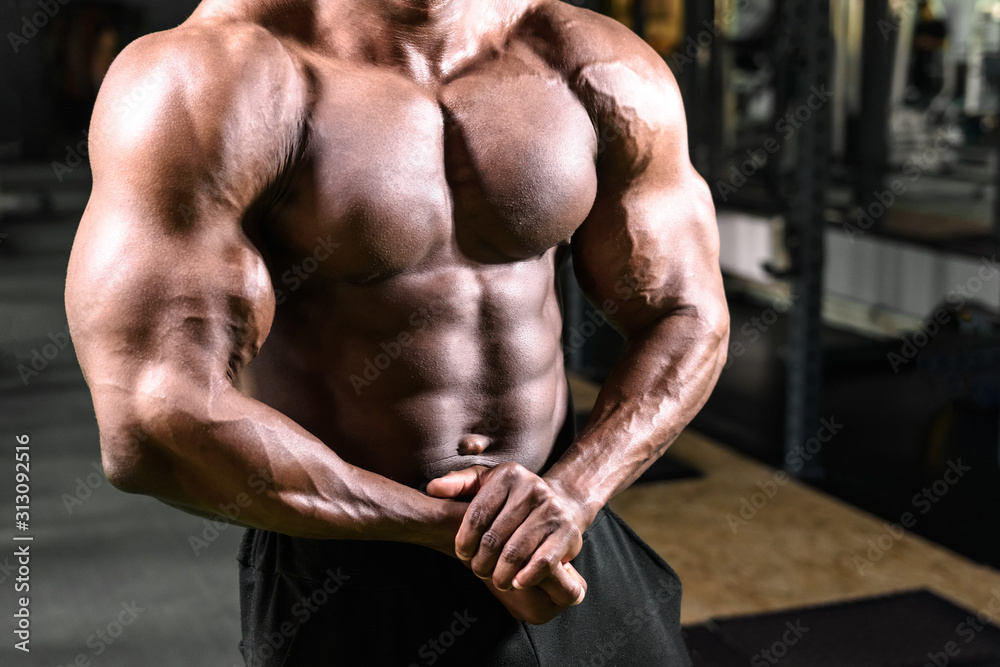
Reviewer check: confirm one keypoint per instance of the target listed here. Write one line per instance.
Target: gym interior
(834, 503)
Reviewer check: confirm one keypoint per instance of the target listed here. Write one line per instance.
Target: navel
(473, 444)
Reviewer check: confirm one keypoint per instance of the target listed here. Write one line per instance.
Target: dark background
(817, 309)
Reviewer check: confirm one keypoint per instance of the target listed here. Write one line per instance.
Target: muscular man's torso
(412, 247)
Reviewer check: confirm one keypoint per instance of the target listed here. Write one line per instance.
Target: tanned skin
(325, 187)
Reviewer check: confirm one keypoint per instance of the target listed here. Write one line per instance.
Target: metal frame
(878, 56)
(807, 26)
(996, 197)
(696, 81)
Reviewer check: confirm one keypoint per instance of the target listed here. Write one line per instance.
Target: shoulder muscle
(214, 108)
(625, 85)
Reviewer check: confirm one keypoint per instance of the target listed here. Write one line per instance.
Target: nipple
(473, 444)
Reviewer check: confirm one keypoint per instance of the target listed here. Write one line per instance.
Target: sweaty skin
(366, 199)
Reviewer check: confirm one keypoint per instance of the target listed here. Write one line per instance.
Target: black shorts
(339, 602)
(315, 602)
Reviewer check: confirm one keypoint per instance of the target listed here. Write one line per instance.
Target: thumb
(457, 483)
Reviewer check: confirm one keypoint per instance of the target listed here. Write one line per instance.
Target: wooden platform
(801, 548)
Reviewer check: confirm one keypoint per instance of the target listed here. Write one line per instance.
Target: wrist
(585, 503)
(439, 530)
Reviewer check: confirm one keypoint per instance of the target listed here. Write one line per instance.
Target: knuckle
(558, 505)
(540, 491)
(490, 540)
(553, 524)
(509, 471)
(479, 519)
(513, 555)
(547, 561)
(569, 533)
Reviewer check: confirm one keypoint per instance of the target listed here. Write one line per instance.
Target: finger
(560, 546)
(496, 541)
(457, 483)
(566, 587)
(532, 606)
(478, 519)
(520, 547)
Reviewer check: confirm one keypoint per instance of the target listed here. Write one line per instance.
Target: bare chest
(496, 166)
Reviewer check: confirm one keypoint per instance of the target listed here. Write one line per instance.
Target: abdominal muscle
(421, 375)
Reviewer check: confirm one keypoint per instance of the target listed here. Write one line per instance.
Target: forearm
(660, 383)
(231, 456)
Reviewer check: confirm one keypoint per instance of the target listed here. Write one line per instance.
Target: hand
(518, 532)
(536, 605)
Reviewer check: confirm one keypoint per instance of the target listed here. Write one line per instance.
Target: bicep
(650, 246)
(161, 320)
(649, 252)
(143, 298)
(162, 280)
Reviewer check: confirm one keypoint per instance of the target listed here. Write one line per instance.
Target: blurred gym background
(852, 149)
